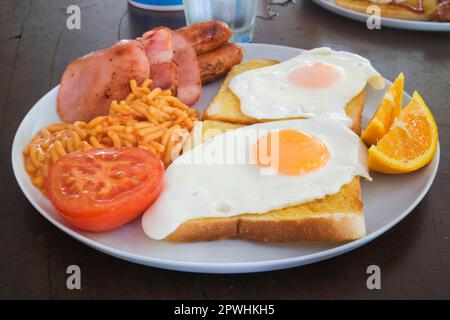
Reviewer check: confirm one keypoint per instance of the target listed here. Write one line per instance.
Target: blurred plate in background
(385, 22)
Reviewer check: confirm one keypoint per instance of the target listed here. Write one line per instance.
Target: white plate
(388, 199)
(385, 22)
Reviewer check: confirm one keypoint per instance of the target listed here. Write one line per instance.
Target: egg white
(267, 93)
(204, 182)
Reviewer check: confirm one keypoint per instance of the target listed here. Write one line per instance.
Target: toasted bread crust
(354, 110)
(304, 222)
(392, 11)
(226, 107)
(328, 227)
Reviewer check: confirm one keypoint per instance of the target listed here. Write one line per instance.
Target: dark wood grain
(35, 47)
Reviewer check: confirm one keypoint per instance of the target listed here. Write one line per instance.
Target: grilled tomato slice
(103, 189)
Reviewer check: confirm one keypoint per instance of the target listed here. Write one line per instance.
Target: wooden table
(35, 47)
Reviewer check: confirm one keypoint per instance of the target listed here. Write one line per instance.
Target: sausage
(206, 36)
(216, 64)
(442, 12)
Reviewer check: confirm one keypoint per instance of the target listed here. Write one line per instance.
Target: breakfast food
(206, 36)
(303, 86)
(262, 90)
(387, 111)
(150, 119)
(158, 46)
(312, 193)
(225, 105)
(92, 82)
(216, 64)
(397, 9)
(189, 81)
(442, 11)
(169, 57)
(173, 63)
(410, 143)
(103, 189)
(278, 158)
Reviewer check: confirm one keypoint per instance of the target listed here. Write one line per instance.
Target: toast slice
(337, 217)
(393, 11)
(226, 106)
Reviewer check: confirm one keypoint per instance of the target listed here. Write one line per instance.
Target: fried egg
(316, 84)
(256, 169)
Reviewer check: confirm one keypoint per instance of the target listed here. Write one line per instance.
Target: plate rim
(428, 26)
(215, 267)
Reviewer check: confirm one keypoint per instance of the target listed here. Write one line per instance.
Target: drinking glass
(238, 14)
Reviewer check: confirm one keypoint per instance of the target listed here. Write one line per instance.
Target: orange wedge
(387, 111)
(410, 143)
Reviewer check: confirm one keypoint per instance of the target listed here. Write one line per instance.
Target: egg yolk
(315, 75)
(290, 152)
